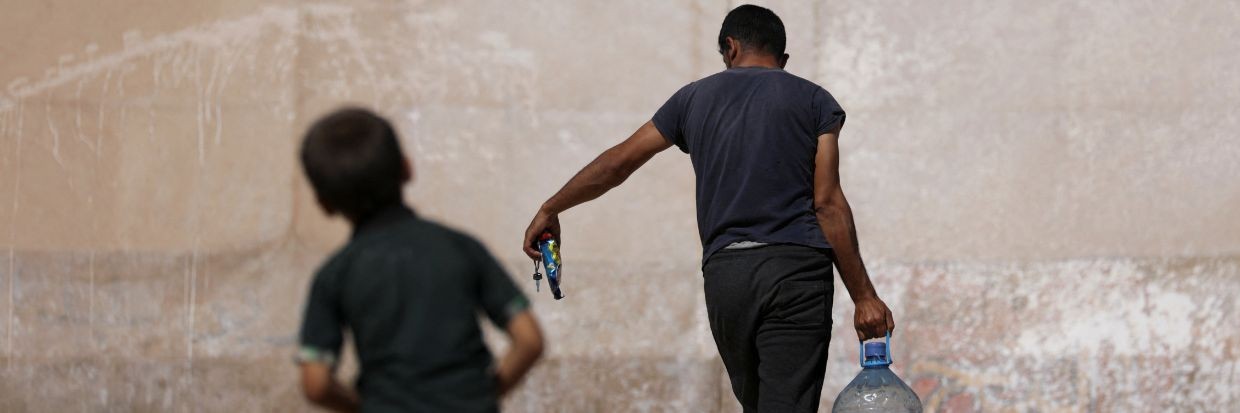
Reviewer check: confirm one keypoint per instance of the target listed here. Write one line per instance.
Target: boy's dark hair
(753, 26)
(354, 162)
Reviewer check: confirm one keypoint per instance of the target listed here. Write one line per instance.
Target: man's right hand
(872, 318)
(543, 222)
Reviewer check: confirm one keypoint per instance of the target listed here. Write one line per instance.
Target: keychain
(537, 276)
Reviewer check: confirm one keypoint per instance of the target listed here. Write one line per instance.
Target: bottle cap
(876, 354)
(876, 351)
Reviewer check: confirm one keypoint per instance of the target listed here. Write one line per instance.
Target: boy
(407, 289)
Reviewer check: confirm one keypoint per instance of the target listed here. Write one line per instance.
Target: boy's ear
(327, 209)
(783, 60)
(406, 171)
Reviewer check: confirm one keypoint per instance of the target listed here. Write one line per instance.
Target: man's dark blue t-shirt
(752, 134)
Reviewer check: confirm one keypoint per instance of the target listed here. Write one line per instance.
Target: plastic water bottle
(876, 388)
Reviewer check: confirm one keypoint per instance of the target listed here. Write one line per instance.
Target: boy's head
(353, 160)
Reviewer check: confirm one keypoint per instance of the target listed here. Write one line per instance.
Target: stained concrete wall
(1046, 192)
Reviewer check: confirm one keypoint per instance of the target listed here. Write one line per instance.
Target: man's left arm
(607, 171)
(871, 317)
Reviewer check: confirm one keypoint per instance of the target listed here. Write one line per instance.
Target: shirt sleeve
(828, 112)
(670, 117)
(322, 324)
(499, 296)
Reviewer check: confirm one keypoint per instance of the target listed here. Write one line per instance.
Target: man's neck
(756, 60)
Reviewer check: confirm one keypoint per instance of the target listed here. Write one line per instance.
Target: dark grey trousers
(770, 313)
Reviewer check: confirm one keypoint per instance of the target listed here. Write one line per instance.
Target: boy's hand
(319, 384)
(543, 222)
(872, 318)
(525, 349)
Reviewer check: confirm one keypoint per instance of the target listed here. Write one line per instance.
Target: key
(537, 277)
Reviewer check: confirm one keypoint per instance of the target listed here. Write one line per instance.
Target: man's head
(354, 163)
(754, 30)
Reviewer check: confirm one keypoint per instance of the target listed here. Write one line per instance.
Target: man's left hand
(872, 318)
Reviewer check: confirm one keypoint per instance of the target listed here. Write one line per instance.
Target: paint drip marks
(106, 119)
(418, 56)
(126, 127)
(426, 63)
(220, 35)
(193, 67)
(255, 60)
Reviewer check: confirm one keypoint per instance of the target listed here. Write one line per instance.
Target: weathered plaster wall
(1047, 194)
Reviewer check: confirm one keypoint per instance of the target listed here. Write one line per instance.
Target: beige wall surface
(1048, 193)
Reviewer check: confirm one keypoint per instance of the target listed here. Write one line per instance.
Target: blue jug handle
(861, 351)
(890, 359)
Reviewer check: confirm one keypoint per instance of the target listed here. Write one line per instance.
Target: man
(771, 213)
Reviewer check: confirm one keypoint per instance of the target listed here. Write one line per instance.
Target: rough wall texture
(1048, 193)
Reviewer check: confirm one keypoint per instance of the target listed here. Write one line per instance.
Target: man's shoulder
(799, 81)
(729, 78)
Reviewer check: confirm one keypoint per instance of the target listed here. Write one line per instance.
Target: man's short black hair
(354, 162)
(755, 27)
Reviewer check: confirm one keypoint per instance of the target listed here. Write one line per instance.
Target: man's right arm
(871, 317)
(607, 171)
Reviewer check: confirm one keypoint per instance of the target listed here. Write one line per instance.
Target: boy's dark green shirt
(409, 291)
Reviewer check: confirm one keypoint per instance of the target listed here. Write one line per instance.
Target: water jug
(876, 389)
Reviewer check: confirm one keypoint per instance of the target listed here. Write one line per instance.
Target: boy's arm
(872, 318)
(509, 309)
(526, 348)
(320, 340)
(319, 384)
(607, 171)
